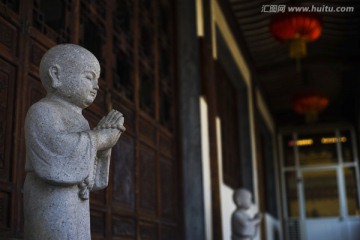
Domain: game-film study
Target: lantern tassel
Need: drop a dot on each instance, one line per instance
(311, 116)
(297, 48)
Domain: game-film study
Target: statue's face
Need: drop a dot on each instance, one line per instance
(246, 201)
(243, 199)
(79, 82)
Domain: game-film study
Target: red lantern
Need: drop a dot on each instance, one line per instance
(311, 104)
(297, 28)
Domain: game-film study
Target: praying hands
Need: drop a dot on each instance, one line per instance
(114, 120)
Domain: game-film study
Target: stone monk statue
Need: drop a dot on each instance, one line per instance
(243, 227)
(65, 159)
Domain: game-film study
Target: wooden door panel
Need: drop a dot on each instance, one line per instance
(147, 180)
(148, 231)
(167, 188)
(8, 38)
(10, 7)
(127, 109)
(9, 70)
(166, 144)
(35, 90)
(124, 173)
(51, 20)
(7, 88)
(169, 233)
(93, 31)
(37, 50)
(123, 228)
(147, 132)
(97, 221)
(5, 209)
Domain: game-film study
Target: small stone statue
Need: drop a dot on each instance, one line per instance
(65, 160)
(243, 227)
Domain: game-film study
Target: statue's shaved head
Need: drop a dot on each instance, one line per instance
(68, 57)
(242, 196)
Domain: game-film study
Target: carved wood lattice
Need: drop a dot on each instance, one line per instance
(52, 18)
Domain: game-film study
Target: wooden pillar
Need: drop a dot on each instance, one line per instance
(190, 131)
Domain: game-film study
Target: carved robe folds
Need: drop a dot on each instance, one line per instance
(61, 160)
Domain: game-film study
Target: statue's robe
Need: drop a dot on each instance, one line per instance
(243, 227)
(61, 168)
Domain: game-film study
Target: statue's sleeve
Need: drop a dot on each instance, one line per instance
(55, 153)
(101, 173)
(242, 225)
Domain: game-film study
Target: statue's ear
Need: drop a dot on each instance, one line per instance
(54, 73)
